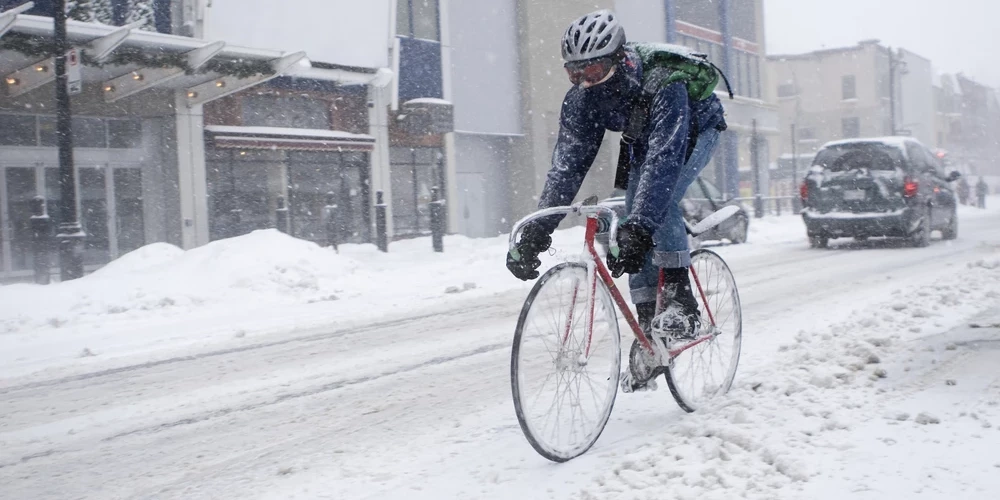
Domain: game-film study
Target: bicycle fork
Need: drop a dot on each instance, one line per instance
(590, 302)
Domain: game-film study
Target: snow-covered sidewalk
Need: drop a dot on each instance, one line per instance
(159, 297)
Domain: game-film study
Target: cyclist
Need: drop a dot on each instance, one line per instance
(671, 121)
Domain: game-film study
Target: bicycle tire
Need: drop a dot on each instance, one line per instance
(520, 360)
(729, 321)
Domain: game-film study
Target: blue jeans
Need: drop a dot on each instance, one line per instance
(671, 237)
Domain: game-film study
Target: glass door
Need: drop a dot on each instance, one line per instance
(93, 196)
(20, 187)
(130, 231)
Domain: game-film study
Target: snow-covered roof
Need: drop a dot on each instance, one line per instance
(81, 34)
(428, 100)
(892, 141)
(290, 139)
(286, 132)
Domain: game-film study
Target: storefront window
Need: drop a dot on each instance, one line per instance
(286, 111)
(417, 18)
(20, 191)
(415, 171)
(322, 185)
(129, 209)
(17, 130)
(94, 214)
(124, 134)
(47, 131)
(89, 133)
(244, 187)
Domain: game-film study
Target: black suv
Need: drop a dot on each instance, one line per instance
(891, 186)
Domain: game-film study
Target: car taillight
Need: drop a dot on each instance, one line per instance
(804, 191)
(910, 188)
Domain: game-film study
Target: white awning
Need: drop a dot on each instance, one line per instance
(199, 74)
(296, 139)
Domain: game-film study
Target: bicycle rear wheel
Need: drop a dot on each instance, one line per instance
(706, 370)
(564, 381)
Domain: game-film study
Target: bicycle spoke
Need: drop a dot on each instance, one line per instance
(706, 370)
(567, 390)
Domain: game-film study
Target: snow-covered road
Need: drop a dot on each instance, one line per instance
(419, 406)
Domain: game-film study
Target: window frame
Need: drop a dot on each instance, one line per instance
(411, 25)
(844, 87)
(843, 127)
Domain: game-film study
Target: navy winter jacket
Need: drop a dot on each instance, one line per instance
(660, 149)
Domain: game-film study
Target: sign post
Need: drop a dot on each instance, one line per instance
(74, 79)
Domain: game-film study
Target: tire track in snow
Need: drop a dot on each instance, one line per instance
(316, 337)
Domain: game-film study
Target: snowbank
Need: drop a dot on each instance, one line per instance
(265, 269)
(790, 430)
(261, 266)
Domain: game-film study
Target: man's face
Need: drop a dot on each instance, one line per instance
(587, 84)
(587, 74)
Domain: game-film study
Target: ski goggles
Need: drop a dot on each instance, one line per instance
(592, 71)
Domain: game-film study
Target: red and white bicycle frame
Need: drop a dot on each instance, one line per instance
(597, 269)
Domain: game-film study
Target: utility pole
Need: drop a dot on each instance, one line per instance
(895, 62)
(892, 92)
(796, 201)
(70, 234)
(758, 200)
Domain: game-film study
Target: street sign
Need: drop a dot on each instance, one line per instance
(74, 79)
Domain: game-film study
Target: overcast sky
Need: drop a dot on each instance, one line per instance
(956, 35)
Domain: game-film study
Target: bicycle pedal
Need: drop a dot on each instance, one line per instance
(629, 386)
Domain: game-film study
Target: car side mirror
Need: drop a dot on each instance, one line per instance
(954, 175)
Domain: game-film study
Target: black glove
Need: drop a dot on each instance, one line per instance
(634, 242)
(534, 240)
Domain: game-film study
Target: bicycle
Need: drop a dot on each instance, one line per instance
(579, 335)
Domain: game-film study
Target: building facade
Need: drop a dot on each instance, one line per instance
(179, 139)
(730, 32)
(868, 90)
(404, 99)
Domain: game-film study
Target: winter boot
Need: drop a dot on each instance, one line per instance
(680, 319)
(643, 367)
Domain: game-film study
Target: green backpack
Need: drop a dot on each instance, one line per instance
(663, 64)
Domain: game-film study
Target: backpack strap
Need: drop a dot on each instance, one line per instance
(636, 124)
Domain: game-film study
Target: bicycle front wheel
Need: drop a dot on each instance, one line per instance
(563, 374)
(706, 370)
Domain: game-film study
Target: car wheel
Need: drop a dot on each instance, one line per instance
(951, 231)
(819, 241)
(739, 232)
(922, 236)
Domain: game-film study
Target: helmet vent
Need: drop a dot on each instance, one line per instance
(592, 36)
(604, 42)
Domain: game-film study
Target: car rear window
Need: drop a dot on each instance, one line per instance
(871, 156)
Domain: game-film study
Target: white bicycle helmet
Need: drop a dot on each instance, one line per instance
(592, 36)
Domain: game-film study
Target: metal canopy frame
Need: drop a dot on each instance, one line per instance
(100, 42)
(43, 72)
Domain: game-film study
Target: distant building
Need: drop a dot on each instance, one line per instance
(851, 92)
(977, 140)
